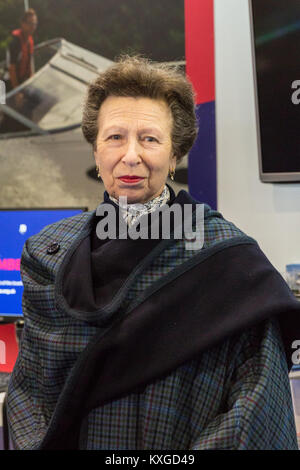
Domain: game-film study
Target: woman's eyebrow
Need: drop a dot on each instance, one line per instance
(142, 130)
(114, 128)
(150, 130)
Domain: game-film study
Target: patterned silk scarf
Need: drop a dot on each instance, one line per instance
(132, 212)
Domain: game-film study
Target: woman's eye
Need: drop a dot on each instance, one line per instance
(115, 137)
(149, 138)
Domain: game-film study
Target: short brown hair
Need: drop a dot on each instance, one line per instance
(136, 76)
(28, 14)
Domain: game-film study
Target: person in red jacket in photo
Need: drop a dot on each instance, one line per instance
(20, 51)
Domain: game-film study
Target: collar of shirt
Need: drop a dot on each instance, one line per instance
(132, 212)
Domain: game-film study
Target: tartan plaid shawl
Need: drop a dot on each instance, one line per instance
(196, 357)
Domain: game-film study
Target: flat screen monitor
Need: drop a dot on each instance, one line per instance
(275, 28)
(17, 225)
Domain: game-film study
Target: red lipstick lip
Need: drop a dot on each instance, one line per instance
(131, 179)
(134, 177)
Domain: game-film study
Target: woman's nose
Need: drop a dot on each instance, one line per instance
(132, 154)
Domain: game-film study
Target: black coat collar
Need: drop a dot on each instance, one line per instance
(98, 296)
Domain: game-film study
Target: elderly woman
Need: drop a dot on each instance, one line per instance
(145, 343)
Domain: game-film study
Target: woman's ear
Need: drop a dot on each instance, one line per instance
(173, 162)
(95, 150)
(95, 147)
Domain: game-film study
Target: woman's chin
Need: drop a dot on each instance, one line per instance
(134, 196)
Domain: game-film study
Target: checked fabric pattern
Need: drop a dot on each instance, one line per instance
(234, 396)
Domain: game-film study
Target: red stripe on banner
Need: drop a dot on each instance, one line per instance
(199, 48)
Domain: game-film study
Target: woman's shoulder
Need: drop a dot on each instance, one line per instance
(66, 225)
(215, 227)
(59, 234)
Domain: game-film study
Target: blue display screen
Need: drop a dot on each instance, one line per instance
(16, 226)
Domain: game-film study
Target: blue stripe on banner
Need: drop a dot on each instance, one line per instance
(202, 161)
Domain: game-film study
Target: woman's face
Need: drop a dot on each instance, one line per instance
(134, 139)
